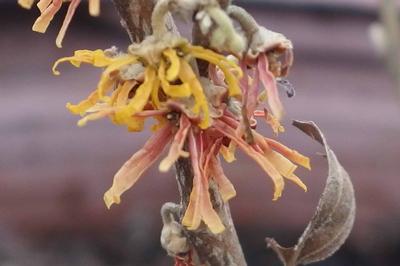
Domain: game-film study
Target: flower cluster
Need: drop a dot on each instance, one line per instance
(49, 8)
(199, 117)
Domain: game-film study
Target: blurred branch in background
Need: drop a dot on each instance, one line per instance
(390, 20)
(343, 6)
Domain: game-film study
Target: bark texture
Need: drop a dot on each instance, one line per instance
(215, 250)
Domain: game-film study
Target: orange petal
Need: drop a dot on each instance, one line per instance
(133, 169)
(292, 155)
(226, 189)
(258, 157)
(176, 149)
(285, 167)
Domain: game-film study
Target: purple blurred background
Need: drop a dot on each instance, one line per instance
(53, 174)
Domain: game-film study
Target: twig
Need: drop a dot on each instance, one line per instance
(216, 250)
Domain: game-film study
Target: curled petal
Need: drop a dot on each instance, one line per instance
(133, 169)
(123, 95)
(111, 71)
(96, 58)
(182, 90)
(229, 68)
(174, 68)
(138, 102)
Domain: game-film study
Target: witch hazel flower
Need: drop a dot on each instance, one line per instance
(201, 118)
(157, 74)
(49, 8)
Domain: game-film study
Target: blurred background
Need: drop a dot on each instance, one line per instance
(53, 174)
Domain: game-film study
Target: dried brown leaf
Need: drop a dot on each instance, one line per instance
(334, 217)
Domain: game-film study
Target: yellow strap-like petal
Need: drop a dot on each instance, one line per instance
(96, 58)
(140, 99)
(174, 68)
(123, 95)
(187, 76)
(80, 108)
(112, 71)
(178, 91)
(223, 64)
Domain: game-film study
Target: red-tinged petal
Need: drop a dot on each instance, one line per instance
(132, 170)
(252, 94)
(292, 155)
(209, 215)
(70, 13)
(269, 83)
(211, 153)
(176, 149)
(192, 217)
(200, 206)
(47, 16)
(258, 157)
(226, 189)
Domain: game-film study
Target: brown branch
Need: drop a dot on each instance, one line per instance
(216, 250)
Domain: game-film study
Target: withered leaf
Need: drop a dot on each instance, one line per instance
(334, 217)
